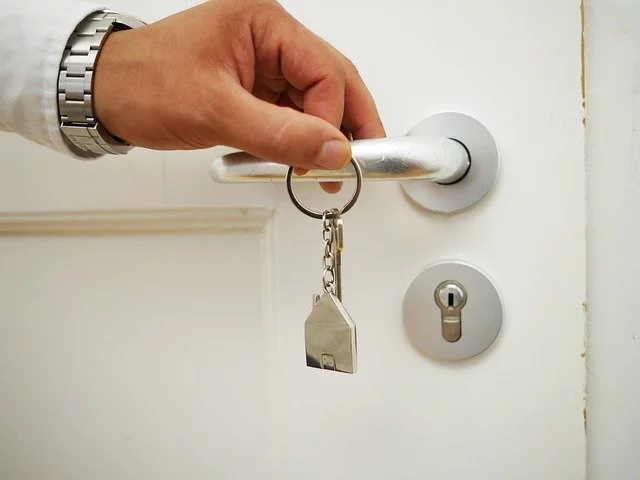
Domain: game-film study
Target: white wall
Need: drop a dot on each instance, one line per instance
(613, 169)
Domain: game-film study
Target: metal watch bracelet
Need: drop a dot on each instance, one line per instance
(75, 83)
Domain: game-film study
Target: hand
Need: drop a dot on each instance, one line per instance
(242, 73)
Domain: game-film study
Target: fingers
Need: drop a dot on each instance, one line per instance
(296, 97)
(361, 116)
(317, 80)
(330, 85)
(314, 70)
(329, 187)
(281, 134)
(324, 83)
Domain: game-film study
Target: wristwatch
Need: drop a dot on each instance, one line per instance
(75, 83)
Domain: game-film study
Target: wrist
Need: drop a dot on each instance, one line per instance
(109, 88)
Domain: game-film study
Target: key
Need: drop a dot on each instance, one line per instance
(338, 245)
(330, 333)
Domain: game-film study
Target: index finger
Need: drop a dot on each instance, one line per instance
(361, 115)
(314, 68)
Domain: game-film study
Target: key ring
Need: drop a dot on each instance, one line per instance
(318, 215)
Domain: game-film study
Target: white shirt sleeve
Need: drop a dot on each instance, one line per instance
(33, 35)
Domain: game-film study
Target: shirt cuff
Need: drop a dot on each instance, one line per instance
(66, 25)
(33, 36)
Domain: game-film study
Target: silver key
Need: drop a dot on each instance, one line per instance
(338, 245)
(330, 333)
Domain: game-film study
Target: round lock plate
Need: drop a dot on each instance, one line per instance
(480, 317)
(483, 171)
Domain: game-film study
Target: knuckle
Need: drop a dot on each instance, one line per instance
(336, 67)
(268, 20)
(332, 72)
(266, 9)
(350, 67)
(342, 72)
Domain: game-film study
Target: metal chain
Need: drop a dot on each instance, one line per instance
(328, 261)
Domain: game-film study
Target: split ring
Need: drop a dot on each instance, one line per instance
(318, 215)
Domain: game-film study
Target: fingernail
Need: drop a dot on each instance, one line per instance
(334, 154)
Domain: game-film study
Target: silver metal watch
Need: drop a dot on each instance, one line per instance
(75, 83)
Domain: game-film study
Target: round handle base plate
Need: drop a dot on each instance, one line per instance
(482, 174)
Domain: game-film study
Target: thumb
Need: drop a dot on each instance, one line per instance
(284, 135)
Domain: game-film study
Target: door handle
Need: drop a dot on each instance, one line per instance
(446, 163)
(440, 160)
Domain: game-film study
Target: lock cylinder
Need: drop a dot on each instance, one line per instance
(450, 297)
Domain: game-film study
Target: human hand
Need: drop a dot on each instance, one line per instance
(242, 73)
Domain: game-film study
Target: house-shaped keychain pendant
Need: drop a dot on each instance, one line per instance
(330, 336)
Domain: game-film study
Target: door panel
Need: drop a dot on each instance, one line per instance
(133, 355)
(197, 354)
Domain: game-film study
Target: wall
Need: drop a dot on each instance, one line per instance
(613, 169)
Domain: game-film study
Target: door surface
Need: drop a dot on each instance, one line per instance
(151, 320)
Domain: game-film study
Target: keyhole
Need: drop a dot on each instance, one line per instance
(450, 297)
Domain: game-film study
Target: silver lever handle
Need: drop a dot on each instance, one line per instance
(447, 163)
(437, 159)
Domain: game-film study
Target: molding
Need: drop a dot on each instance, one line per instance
(110, 222)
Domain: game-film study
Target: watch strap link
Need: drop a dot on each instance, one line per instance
(75, 83)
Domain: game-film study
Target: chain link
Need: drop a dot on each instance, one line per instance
(328, 261)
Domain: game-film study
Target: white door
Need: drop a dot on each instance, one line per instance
(152, 320)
